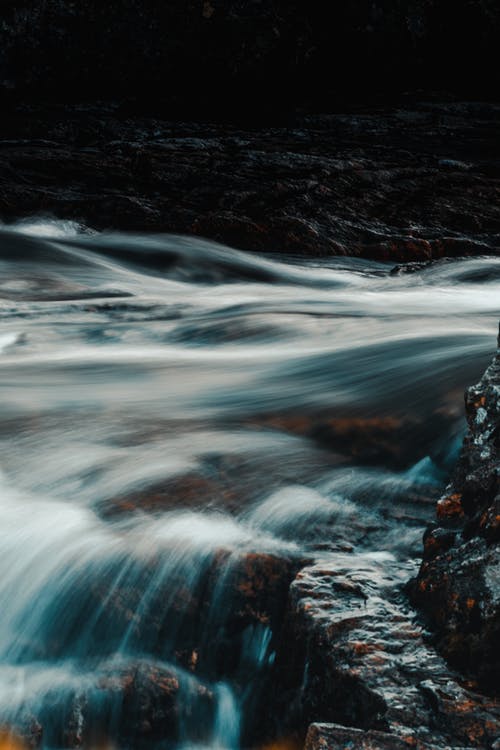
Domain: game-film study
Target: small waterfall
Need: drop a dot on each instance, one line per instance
(227, 725)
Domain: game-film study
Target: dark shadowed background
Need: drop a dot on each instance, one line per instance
(217, 56)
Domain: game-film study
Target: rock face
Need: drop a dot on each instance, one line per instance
(459, 582)
(356, 660)
(217, 54)
(411, 183)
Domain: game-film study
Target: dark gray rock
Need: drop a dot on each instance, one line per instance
(458, 586)
(368, 183)
(354, 654)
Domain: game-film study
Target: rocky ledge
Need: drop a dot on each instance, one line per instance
(458, 586)
(358, 669)
(410, 182)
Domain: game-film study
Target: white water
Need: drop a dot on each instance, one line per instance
(133, 367)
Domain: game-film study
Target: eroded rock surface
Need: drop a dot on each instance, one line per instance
(459, 582)
(355, 655)
(337, 737)
(408, 183)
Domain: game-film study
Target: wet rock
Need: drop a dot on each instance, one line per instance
(249, 592)
(458, 586)
(403, 269)
(231, 483)
(391, 439)
(190, 491)
(133, 704)
(200, 620)
(366, 183)
(353, 654)
(368, 440)
(471, 718)
(336, 737)
(153, 701)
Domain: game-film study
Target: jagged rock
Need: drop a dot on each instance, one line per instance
(458, 585)
(354, 654)
(469, 717)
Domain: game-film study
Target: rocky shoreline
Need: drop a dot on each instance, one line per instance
(458, 586)
(411, 182)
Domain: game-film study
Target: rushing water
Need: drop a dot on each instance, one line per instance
(171, 409)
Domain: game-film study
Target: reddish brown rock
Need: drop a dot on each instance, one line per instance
(472, 718)
(191, 491)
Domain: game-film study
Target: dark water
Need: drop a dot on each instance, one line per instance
(168, 401)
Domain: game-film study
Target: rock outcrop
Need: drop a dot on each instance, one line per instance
(409, 183)
(459, 582)
(356, 658)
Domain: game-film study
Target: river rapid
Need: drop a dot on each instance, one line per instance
(171, 409)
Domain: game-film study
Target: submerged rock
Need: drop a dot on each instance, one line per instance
(458, 586)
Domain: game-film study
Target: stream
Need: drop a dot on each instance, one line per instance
(183, 427)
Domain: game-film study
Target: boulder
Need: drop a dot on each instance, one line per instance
(355, 669)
